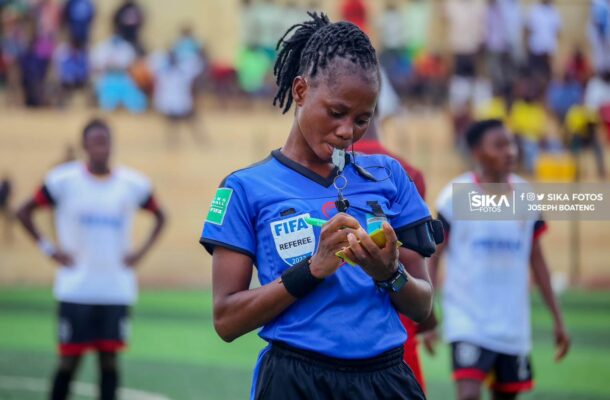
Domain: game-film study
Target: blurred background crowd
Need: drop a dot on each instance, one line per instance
(152, 68)
(499, 59)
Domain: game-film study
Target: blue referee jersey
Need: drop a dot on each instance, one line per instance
(260, 211)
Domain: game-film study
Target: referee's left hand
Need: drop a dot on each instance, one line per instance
(379, 263)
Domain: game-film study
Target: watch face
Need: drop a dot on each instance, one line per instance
(399, 282)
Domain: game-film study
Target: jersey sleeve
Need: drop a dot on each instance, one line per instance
(412, 209)
(444, 208)
(540, 227)
(230, 220)
(50, 193)
(141, 190)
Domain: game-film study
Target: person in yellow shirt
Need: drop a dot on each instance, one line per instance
(581, 126)
(494, 108)
(528, 120)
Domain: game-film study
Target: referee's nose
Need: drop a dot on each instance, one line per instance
(345, 132)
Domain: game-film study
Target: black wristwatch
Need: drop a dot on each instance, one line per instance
(396, 281)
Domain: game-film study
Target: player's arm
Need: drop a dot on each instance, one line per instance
(428, 328)
(542, 278)
(24, 215)
(159, 223)
(239, 310)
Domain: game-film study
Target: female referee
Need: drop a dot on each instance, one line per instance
(332, 328)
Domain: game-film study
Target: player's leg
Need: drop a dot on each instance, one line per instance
(111, 337)
(471, 364)
(411, 355)
(68, 365)
(504, 396)
(74, 340)
(468, 389)
(109, 375)
(513, 376)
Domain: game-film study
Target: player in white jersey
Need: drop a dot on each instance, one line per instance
(95, 283)
(486, 310)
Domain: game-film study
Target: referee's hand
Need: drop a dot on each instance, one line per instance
(333, 238)
(379, 263)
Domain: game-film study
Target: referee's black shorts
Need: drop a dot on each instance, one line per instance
(284, 372)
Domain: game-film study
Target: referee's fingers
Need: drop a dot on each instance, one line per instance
(342, 221)
(337, 238)
(367, 243)
(390, 236)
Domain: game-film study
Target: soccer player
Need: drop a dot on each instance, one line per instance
(95, 284)
(486, 311)
(370, 144)
(333, 330)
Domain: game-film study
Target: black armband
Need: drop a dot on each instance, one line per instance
(422, 237)
(298, 279)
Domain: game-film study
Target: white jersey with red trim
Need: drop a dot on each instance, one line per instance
(93, 219)
(486, 288)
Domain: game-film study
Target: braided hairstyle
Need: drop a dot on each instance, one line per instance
(314, 44)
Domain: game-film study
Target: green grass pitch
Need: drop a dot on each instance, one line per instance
(174, 351)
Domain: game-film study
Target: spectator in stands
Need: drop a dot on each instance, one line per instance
(393, 55)
(128, 21)
(6, 192)
(430, 78)
(512, 14)
(187, 47)
(581, 127)
(543, 26)
(563, 94)
(528, 120)
(494, 108)
(72, 68)
(597, 92)
(598, 31)
(174, 95)
(465, 29)
(355, 11)
(579, 66)
(14, 42)
(113, 85)
(417, 17)
(33, 70)
(597, 98)
(78, 16)
(497, 46)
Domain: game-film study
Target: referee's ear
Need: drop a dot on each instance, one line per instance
(299, 90)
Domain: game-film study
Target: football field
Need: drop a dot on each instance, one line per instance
(174, 352)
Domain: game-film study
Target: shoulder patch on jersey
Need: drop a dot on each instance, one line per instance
(218, 208)
(294, 238)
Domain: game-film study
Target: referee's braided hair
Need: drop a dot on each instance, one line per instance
(312, 46)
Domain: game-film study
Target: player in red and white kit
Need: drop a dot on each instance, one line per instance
(486, 303)
(95, 283)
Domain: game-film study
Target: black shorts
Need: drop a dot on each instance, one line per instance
(83, 327)
(507, 373)
(283, 372)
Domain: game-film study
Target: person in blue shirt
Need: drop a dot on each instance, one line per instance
(332, 328)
